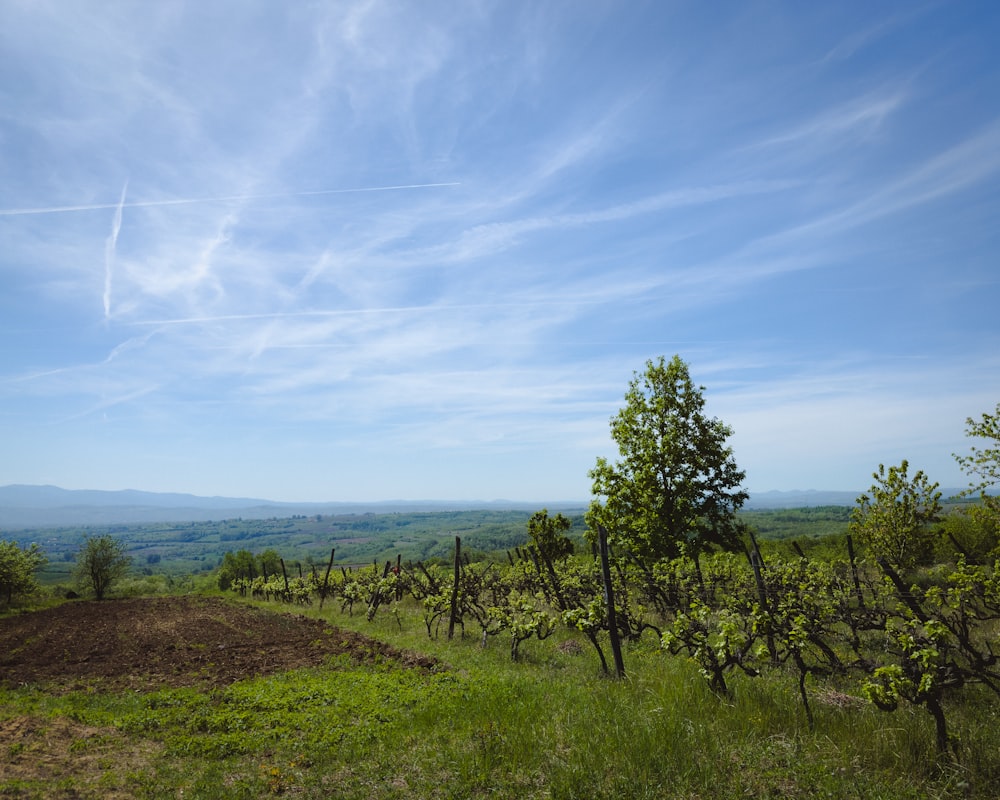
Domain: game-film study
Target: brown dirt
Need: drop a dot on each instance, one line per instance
(65, 760)
(141, 644)
(146, 643)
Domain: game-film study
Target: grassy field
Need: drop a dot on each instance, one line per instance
(549, 726)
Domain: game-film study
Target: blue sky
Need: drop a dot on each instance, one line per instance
(403, 250)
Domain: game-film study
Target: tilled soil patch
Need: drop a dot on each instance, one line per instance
(148, 643)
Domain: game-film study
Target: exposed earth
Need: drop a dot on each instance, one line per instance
(141, 645)
(146, 643)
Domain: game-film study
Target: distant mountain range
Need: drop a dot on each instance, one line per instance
(48, 506)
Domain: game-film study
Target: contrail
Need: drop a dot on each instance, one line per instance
(109, 252)
(345, 312)
(13, 212)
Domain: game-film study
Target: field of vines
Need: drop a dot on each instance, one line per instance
(849, 631)
(735, 675)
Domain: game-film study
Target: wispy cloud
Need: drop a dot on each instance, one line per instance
(239, 198)
(831, 234)
(451, 234)
(496, 236)
(843, 124)
(108, 403)
(135, 343)
(828, 424)
(868, 35)
(974, 160)
(971, 161)
(109, 253)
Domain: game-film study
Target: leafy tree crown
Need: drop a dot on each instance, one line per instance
(893, 519)
(100, 562)
(548, 534)
(676, 487)
(982, 464)
(17, 570)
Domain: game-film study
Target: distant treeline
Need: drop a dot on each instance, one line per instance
(788, 523)
(190, 548)
(193, 547)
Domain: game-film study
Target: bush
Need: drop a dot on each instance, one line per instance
(17, 570)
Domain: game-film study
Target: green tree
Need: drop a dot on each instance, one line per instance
(548, 534)
(240, 564)
(676, 487)
(971, 533)
(100, 562)
(894, 519)
(17, 569)
(269, 562)
(982, 465)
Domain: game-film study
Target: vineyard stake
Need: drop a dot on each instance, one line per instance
(609, 597)
(326, 578)
(285, 576)
(454, 588)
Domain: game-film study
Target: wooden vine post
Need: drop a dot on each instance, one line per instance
(755, 562)
(326, 578)
(454, 587)
(284, 575)
(609, 597)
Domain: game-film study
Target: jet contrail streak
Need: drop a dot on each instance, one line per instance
(345, 312)
(109, 252)
(13, 212)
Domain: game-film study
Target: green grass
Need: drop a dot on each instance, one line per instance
(548, 727)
